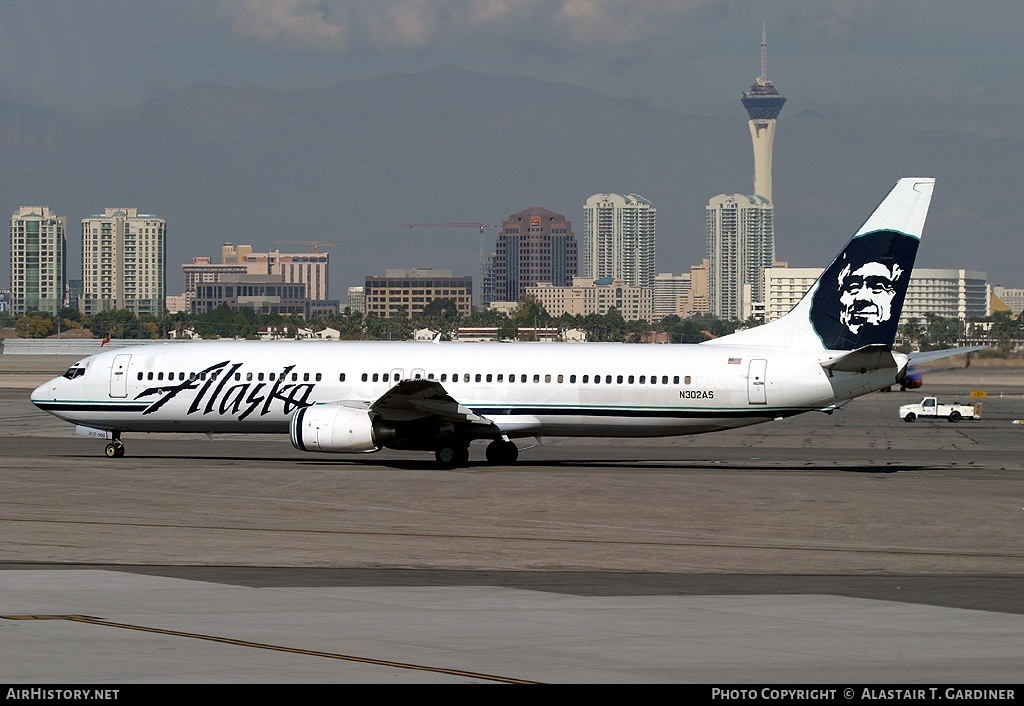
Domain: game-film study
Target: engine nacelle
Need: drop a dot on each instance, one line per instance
(333, 428)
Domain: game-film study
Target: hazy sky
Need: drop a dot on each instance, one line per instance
(930, 63)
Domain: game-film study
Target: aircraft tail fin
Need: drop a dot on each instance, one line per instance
(857, 300)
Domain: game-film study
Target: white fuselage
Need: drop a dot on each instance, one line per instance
(526, 389)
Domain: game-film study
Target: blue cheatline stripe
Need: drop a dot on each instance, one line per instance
(59, 406)
(642, 413)
(553, 411)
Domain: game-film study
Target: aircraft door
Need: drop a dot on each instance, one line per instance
(418, 374)
(397, 375)
(756, 381)
(119, 375)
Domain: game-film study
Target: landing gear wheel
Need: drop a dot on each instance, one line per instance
(115, 449)
(449, 457)
(910, 417)
(502, 452)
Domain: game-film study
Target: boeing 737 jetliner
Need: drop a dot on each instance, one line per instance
(361, 396)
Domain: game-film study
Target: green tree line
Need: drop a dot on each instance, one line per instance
(442, 316)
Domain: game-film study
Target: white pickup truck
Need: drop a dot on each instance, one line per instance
(930, 407)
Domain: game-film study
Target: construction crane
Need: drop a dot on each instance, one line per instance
(481, 226)
(317, 244)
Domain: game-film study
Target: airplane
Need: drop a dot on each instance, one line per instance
(355, 397)
(913, 379)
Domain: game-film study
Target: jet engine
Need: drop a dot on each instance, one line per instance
(334, 428)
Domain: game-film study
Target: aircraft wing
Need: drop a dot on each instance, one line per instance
(415, 399)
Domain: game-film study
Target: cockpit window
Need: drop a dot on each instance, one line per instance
(74, 372)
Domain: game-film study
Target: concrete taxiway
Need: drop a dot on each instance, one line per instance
(831, 549)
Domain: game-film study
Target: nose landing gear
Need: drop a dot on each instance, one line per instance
(115, 449)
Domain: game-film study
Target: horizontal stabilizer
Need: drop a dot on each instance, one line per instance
(926, 356)
(873, 357)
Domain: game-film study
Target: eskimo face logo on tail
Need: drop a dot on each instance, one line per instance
(860, 296)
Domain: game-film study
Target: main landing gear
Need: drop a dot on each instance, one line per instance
(455, 453)
(452, 456)
(501, 452)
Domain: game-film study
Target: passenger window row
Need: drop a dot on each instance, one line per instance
(249, 377)
(536, 378)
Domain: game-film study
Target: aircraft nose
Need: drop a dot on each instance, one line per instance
(44, 392)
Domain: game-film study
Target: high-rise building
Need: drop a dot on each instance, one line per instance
(535, 245)
(404, 292)
(262, 293)
(310, 269)
(38, 260)
(763, 103)
(587, 296)
(124, 262)
(619, 238)
(946, 293)
(203, 271)
(741, 244)
(1011, 297)
(356, 300)
(671, 294)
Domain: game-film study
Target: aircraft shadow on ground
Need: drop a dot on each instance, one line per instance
(619, 464)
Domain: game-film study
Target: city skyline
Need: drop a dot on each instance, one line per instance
(250, 172)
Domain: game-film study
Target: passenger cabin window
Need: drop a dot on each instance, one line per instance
(364, 377)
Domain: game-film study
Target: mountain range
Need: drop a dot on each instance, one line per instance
(349, 163)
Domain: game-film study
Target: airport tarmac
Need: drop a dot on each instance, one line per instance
(851, 548)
